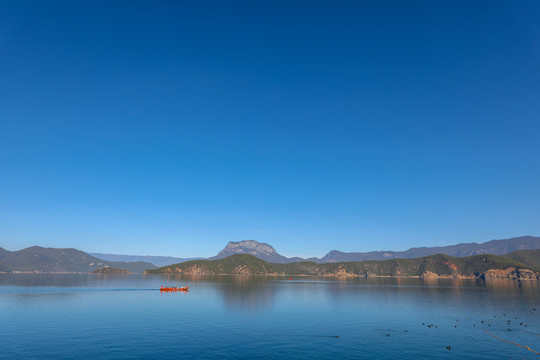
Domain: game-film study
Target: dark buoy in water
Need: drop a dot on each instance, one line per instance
(449, 347)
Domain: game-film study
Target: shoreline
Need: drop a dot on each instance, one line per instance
(349, 276)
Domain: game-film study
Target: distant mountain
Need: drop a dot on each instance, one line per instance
(156, 260)
(71, 260)
(39, 259)
(261, 250)
(434, 266)
(4, 253)
(495, 247)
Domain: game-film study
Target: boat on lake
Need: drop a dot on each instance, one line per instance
(173, 288)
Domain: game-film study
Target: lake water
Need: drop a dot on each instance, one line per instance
(72, 316)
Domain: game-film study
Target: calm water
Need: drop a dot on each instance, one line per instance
(125, 317)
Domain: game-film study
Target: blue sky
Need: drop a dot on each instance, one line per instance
(171, 128)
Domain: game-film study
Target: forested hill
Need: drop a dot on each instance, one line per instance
(527, 257)
(478, 266)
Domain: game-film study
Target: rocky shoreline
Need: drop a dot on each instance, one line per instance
(510, 273)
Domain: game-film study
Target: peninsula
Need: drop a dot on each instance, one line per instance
(523, 265)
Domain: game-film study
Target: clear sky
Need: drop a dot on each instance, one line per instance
(173, 127)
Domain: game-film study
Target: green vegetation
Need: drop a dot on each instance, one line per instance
(527, 257)
(434, 265)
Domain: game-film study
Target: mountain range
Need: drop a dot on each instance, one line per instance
(494, 247)
(156, 260)
(39, 259)
(268, 253)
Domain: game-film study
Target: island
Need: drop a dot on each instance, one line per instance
(110, 270)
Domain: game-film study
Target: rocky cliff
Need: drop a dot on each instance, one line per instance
(261, 250)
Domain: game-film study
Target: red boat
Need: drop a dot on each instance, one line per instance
(173, 288)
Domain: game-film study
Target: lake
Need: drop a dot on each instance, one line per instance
(83, 316)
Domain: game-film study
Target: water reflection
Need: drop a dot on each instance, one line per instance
(33, 280)
(237, 292)
(66, 316)
(252, 293)
(70, 280)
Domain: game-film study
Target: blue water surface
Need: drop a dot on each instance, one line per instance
(81, 316)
